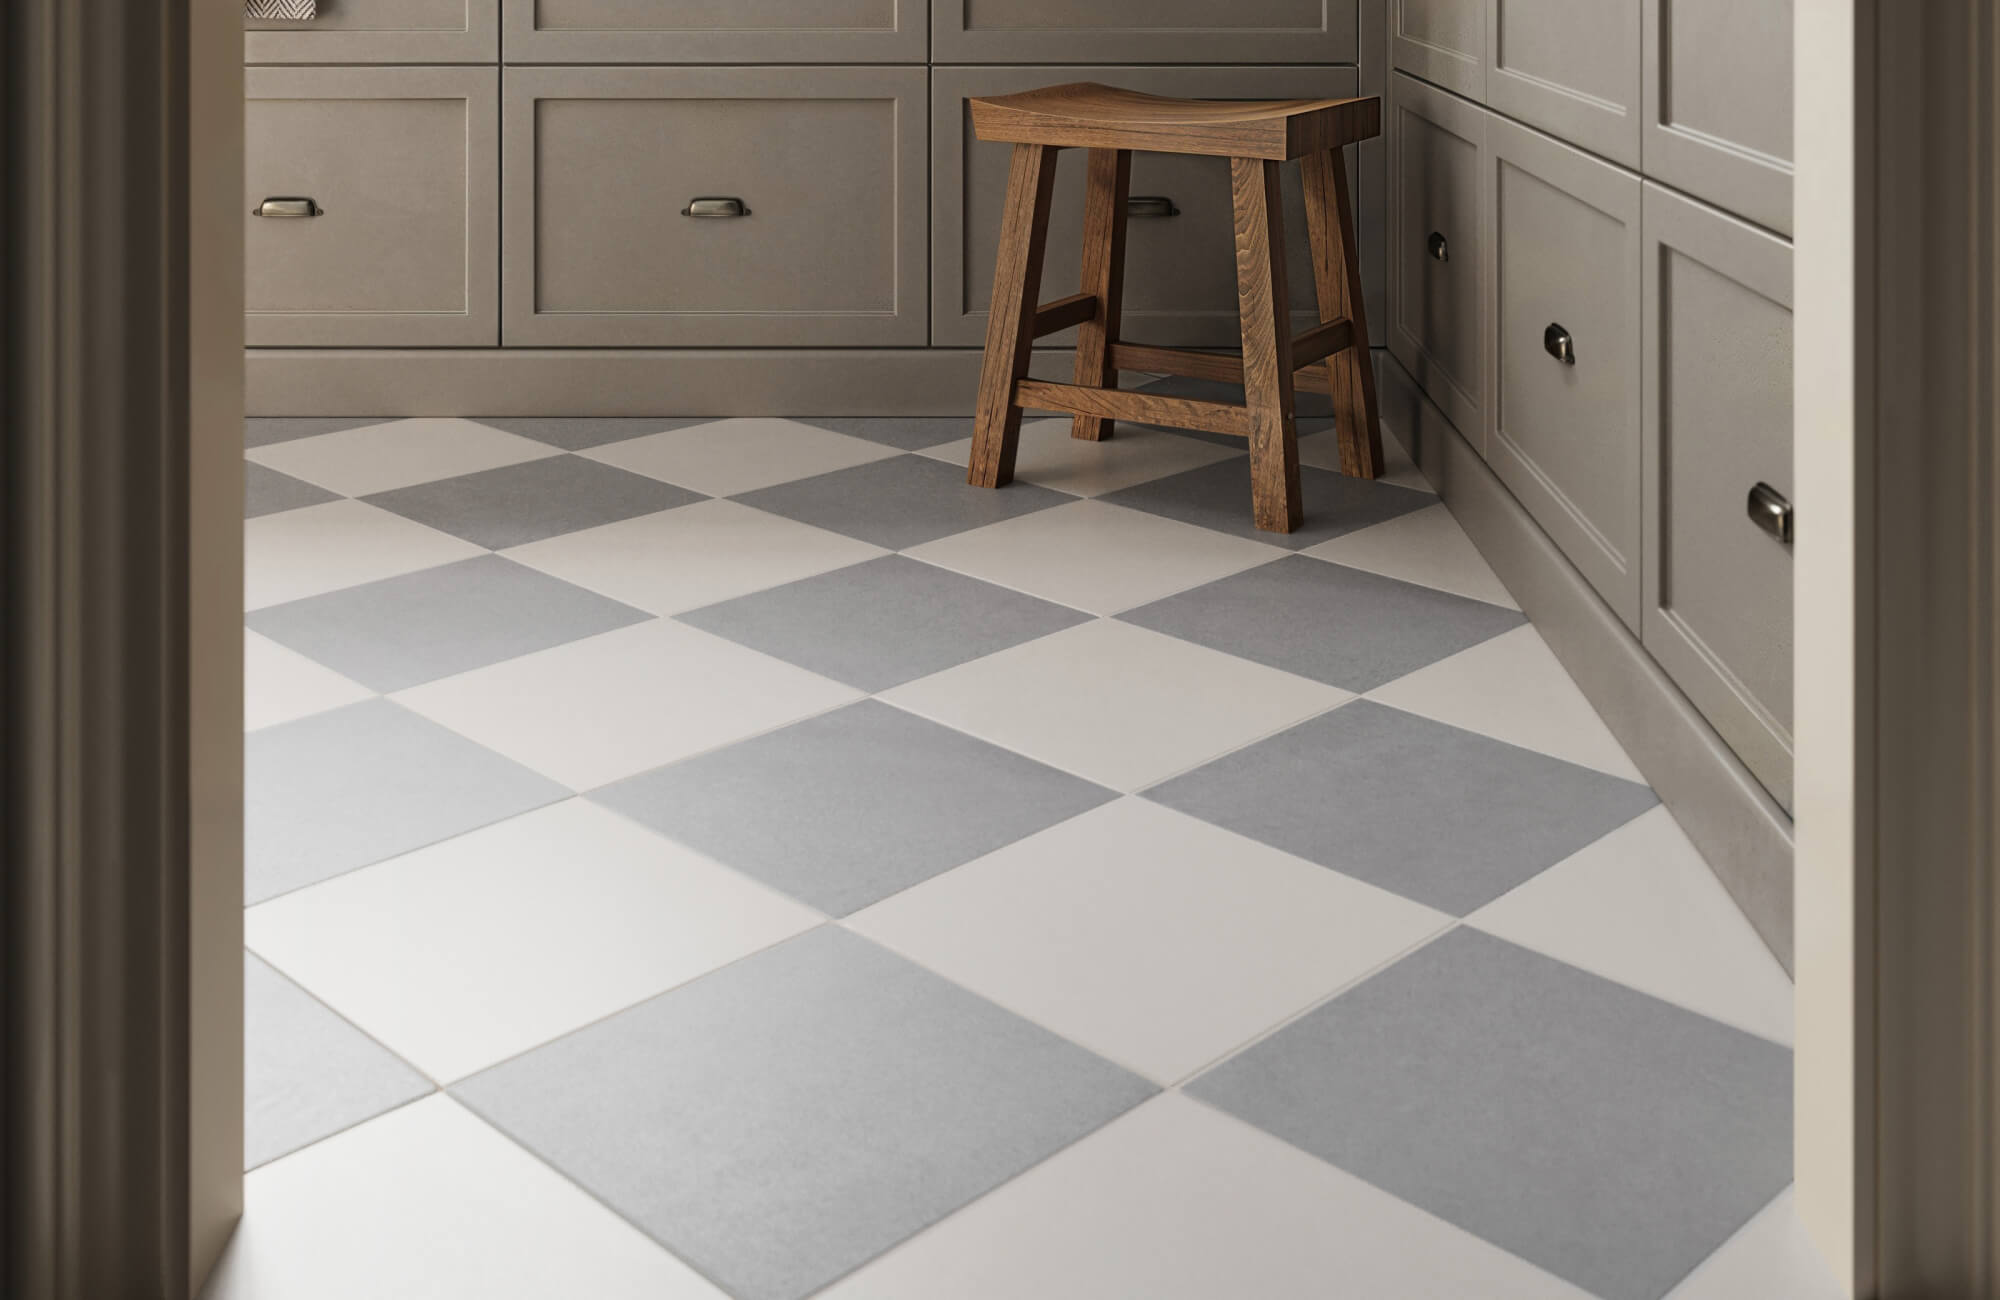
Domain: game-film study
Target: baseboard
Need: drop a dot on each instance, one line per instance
(554, 381)
(1742, 832)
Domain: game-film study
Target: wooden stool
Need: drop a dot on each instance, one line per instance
(1256, 138)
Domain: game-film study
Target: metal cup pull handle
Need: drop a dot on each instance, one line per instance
(1771, 512)
(291, 207)
(1558, 344)
(1150, 205)
(716, 207)
(1440, 250)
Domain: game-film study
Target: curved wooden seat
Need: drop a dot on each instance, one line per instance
(1084, 113)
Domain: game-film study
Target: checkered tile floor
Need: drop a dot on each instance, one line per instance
(735, 858)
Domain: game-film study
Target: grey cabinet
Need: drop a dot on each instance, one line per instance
(1717, 103)
(1437, 250)
(717, 31)
(1718, 422)
(380, 31)
(1570, 67)
(1144, 31)
(1442, 41)
(1180, 279)
(402, 167)
(1563, 423)
(606, 244)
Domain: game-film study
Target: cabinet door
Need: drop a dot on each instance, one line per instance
(717, 31)
(1144, 31)
(1442, 41)
(813, 234)
(1437, 257)
(1180, 269)
(1563, 428)
(1718, 421)
(1570, 67)
(402, 166)
(380, 31)
(1717, 103)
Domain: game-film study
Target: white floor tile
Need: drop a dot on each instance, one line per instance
(609, 706)
(381, 457)
(340, 544)
(1425, 546)
(428, 1201)
(462, 954)
(1511, 688)
(1770, 1259)
(1116, 704)
(1179, 1202)
(1096, 557)
(732, 456)
(1151, 938)
(1642, 908)
(1323, 450)
(1048, 456)
(280, 685)
(697, 555)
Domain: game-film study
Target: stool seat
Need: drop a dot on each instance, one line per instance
(1086, 114)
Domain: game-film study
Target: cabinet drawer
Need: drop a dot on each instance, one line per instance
(1437, 259)
(1570, 67)
(1564, 436)
(1717, 103)
(404, 163)
(716, 31)
(602, 165)
(380, 31)
(1144, 31)
(1442, 41)
(1180, 271)
(1718, 421)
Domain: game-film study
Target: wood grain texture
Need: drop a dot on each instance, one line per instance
(1055, 317)
(1222, 367)
(1319, 343)
(1142, 408)
(1267, 345)
(1088, 115)
(1337, 276)
(1104, 214)
(1010, 325)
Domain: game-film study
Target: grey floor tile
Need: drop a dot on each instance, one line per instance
(1334, 624)
(847, 808)
(911, 434)
(518, 504)
(901, 502)
(577, 433)
(1611, 1138)
(789, 1117)
(1436, 814)
(403, 631)
(883, 622)
(266, 491)
(1218, 496)
(263, 431)
(342, 789)
(308, 1074)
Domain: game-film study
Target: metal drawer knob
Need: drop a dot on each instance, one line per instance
(1150, 205)
(288, 207)
(715, 207)
(1440, 251)
(1558, 344)
(1771, 512)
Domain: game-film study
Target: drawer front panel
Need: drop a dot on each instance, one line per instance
(1442, 41)
(1180, 271)
(1565, 436)
(717, 31)
(1717, 103)
(1437, 271)
(380, 31)
(1718, 421)
(1145, 31)
(404, 163)
(603, 247)
(1570, 67)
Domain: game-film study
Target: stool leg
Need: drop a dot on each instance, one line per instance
(1010, 322)
(1104, 276)
(1267, 345)
(1337, 273)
